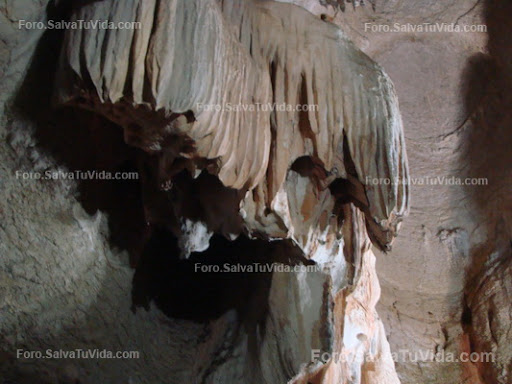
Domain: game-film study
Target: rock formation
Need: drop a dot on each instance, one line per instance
(284, 188)
(163, 84)
(192, 88)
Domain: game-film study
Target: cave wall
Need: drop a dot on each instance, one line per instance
(62, 283)
(67, 281)
(454, 247)
(445, 285)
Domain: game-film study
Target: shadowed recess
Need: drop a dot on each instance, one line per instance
(210, 283)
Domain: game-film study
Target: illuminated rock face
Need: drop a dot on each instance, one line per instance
(192, 88)
(66, 283)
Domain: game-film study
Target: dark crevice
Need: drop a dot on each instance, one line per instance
(467, 317)
(210, 283)
(304, 122)
(273, 132)
(199, 199)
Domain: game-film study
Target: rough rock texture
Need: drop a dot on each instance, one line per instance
(62, 285)
(445, 285)
(290, 173)
(85, 301)
(453, 92)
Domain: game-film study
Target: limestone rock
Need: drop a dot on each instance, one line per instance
(251, 56)
(194, 88)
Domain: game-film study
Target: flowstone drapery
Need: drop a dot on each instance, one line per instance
(283, 130)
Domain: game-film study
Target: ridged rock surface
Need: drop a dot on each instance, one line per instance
(64, 284)
(163, 83)
(196, 56)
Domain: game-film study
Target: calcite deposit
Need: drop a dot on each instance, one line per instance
(182, 100)
(192, 88)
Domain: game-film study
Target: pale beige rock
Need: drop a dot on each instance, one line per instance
(249, 53)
